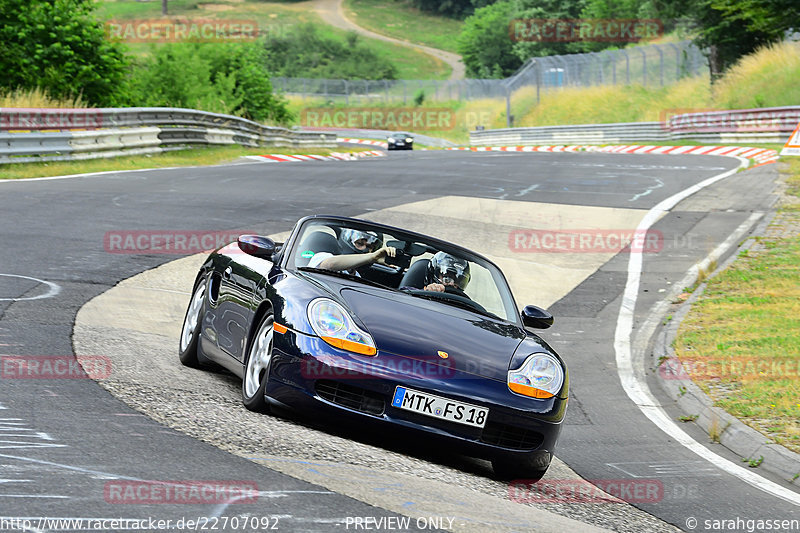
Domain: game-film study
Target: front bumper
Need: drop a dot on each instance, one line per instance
(403, 146)
(311, 376)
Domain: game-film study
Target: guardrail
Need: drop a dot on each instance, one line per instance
(383, 134)
(579, 134)
(31, 135)
(766, 125)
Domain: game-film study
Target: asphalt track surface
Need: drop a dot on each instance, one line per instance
(61, 441)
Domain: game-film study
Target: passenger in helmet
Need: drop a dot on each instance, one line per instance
(360, 248)
(358, 242)
(447, 273)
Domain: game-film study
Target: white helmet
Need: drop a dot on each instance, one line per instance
(359, 242)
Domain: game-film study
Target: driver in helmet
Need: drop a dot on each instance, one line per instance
(447, 273)
(360, 248)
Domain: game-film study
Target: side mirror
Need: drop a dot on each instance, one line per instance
(536, 317)
(257, 246)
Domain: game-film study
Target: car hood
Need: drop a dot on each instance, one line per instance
(419, 329)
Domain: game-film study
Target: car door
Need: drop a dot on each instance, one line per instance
(235, 304)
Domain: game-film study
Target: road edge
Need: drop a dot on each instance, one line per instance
(633, 345)
(734, 434)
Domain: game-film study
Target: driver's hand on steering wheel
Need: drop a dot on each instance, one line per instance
(382, 253)
(435, 287)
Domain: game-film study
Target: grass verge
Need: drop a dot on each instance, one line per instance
(212, 155)
(403, 21)
(739, 341)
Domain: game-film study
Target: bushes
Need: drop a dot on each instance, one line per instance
(305, 53)
(223, 78)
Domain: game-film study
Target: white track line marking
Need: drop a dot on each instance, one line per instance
(638, 391)
(52, 289)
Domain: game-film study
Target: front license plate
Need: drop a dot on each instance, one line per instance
(438, 407)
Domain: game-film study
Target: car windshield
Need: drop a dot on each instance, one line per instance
(469, 282)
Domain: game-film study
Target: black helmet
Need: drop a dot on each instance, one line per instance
(359, 242)
(448, 270)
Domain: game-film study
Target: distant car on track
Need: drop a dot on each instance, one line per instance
(400, 141)
(380, 345)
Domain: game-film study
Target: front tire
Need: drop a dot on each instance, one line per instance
(190, 333)
(256, 371)
(532, 469)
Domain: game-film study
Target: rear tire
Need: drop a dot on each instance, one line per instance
(190, 333)
(256, 368)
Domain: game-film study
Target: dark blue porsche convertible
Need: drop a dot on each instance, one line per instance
(355, 319)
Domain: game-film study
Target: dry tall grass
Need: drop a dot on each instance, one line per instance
(33, 98)
(619, 103)
(767, 78)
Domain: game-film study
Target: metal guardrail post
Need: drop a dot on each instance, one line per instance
(677, 61)
(627, 67)
(614, 67)
(644, 67)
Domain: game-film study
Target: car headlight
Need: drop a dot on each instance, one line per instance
(335, 326)
(540, 376)
(409, 139)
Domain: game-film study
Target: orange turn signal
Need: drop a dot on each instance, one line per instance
(279, 328)
(350, 346)
(526, 390)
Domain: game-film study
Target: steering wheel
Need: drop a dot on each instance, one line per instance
(388, 269)
(450, 289)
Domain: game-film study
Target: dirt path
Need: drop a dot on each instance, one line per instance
(332, 12)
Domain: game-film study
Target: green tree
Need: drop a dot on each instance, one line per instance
(772, 17)
(227, 78)
(547, 9)
(485, 44)
(619, 9)
(451, 8)
(59, 46)
(730, 29)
